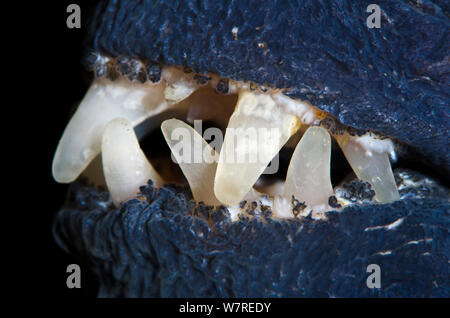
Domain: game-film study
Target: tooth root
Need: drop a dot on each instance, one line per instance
(370, 166)
(178, 91)
(179, 87)
(104, 101)
(196, 158)
(308, 176)
(125, 166)
(256, 131)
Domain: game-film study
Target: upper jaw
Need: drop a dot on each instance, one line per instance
(382, 79)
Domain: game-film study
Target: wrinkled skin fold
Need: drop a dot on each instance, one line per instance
(161, 247)
(393, 80)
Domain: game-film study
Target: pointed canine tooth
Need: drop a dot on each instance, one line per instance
(104, 101)
(371, 165)
(198, 161)
(308, 176)
(256, 132)
(125, 166)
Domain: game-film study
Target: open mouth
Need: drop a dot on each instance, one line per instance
(258, 124)
(227, 179)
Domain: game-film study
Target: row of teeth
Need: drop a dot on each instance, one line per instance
(105, 120)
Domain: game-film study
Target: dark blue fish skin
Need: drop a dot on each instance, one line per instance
(394, 80)
(157, 248)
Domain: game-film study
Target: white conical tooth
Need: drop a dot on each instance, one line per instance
(308, 176)
(104, 101)
(125, 166)
(256, 131)
(196, 158)
(370, 162)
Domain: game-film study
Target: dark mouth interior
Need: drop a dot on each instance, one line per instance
(155, 148)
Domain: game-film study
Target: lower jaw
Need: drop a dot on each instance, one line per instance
(165, 245)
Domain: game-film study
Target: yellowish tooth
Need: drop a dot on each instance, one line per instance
(104, 101)
(370, 162)
(256, 131)
(308, 176)
(196, 158)
(125, 166)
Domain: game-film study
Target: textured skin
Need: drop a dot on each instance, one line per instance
(157, 248)
(394, 80)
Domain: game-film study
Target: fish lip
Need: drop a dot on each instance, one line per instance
(130, 244)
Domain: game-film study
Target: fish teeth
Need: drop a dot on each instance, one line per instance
(369, 159)
(256, 131)
(198, 160)
(104, 101)
(259, 127)
(308, 176)
(125, 166)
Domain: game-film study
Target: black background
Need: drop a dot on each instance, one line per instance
(61, 81)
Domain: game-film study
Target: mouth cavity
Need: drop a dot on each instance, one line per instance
(116, 138)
